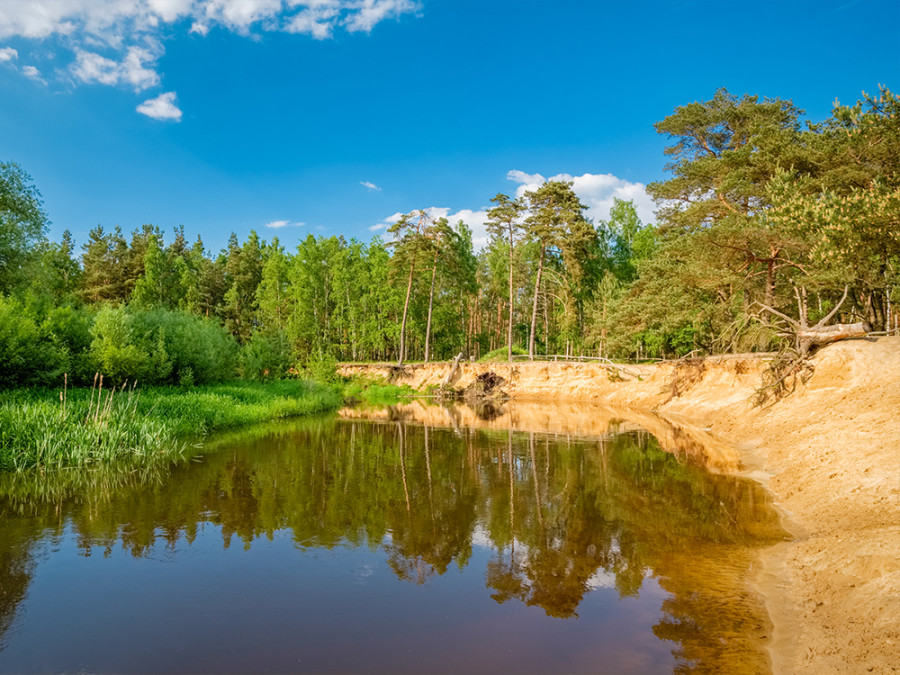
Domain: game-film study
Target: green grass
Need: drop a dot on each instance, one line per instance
(51, 429)
(375, 392)
(502, 354)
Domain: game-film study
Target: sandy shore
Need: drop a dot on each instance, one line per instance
(830, 453)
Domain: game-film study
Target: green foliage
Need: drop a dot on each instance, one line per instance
(114, 348)
(76, 427)
(103, 262)
(626, 240)
(502, 354)
(375, 392)
(243, 273)
(273, 294)
(29, 354)
(161, 346)
(22, 223)
(322, 368)
(52, 270)
(167, 278)
(759, 213)
(70, 327)
(38, 431)
(266, 356)
(203, 409)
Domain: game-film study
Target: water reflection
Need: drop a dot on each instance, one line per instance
(557, 517)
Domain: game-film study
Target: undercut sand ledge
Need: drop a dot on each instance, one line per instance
(830, 453)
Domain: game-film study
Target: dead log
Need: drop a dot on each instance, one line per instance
(806, 337)
(816, 335)
(452, 372)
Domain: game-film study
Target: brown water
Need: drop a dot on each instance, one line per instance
(335, 545)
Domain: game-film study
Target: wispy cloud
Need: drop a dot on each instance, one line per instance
(278, 224)
(133, 70)
(161, 108)
(371, 186)
(120, 43)
(33, 73)
(371, 12)
(386, 222)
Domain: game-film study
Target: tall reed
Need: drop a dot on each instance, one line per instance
(107, 426)
(77, 427)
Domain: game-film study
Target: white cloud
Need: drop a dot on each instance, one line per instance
(161, 108)
(371, 186)
(238, 15)
(119, 42)
(596, 191)
(90, 67)
(474, 219)
(387, 222)
(33, 73)
(277, 224)
(118, 22)
(371, 12)
(315, 21)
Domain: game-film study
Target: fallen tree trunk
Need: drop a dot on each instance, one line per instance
(840, 331)
(809, 337)
(452, 372)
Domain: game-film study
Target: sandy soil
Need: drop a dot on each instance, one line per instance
(829, 453)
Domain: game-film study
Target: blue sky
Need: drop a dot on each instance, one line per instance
(331, 116)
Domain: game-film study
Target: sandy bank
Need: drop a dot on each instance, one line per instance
(829, 453)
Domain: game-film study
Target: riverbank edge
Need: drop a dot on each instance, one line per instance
(66, 428)
(827, 453)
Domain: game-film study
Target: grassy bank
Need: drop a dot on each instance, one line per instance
(53, 429)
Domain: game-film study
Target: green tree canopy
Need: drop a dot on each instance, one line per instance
(23, 222)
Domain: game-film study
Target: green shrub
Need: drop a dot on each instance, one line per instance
(161, 346)
(266, 356)
(29, 355)
(322, 368)
(70, 328)
(114, 348)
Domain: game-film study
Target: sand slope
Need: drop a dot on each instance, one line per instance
(830, 453)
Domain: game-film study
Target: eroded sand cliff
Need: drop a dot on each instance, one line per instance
(830, 453)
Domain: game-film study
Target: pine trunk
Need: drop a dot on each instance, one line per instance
(509, 327)
(430, 304)
(402, 354)
(534, 307)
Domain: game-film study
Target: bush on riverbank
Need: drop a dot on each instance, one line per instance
(161, 346)
(39, 343)
(49, 428)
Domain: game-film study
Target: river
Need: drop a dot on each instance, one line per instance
(383, 541)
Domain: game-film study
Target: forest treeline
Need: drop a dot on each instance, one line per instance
(764, 218)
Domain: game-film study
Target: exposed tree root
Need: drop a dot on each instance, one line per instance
(784, 372)
(686, 373)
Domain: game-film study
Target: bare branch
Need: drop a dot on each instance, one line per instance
(835, 310)
(792, 322)
(801, 307)
(728, 205)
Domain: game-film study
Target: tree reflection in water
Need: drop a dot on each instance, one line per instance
(561, 516)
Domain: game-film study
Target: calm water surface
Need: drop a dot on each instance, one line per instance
(334, 545)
